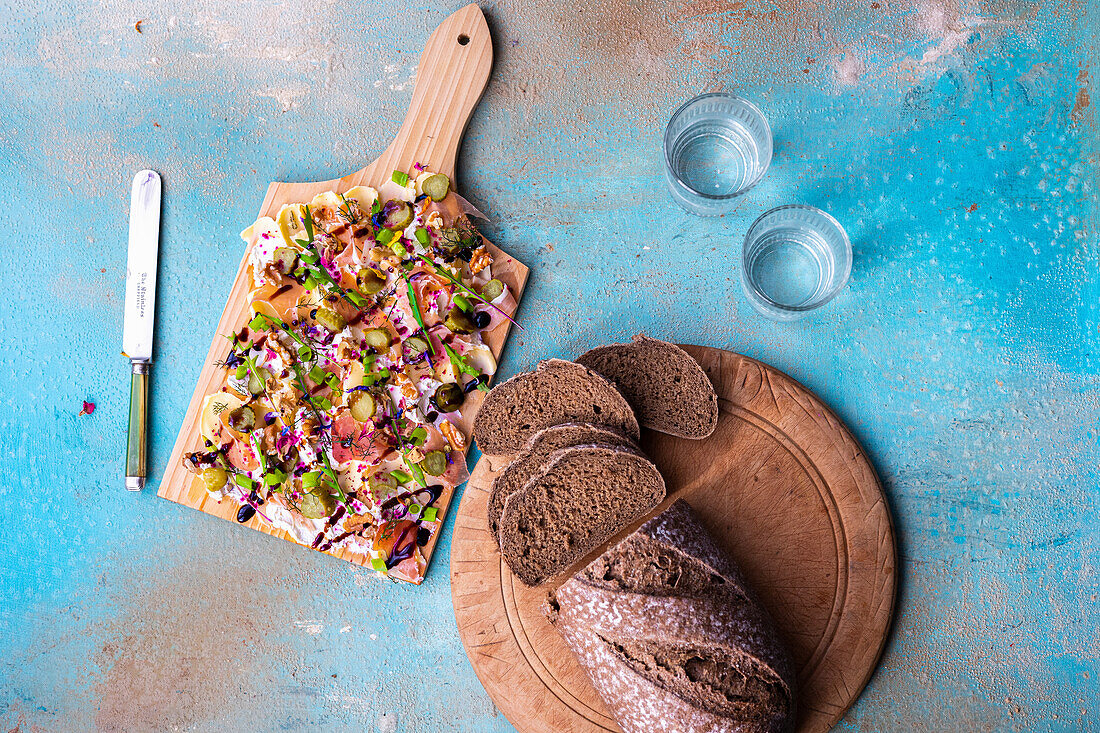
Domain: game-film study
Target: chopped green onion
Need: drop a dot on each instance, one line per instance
(376, 207)
(310, 282)
(311, 480)
(356, 299)
(384, 236)
(422, 236)
(378, 564)
(415, 509)
(332, 380)
(417, 473)
(259, 323)
(305, 353)
(309, 255)
(418, 436)
(323, 403)
(242, 371)
(244, 481)
(460, 300)
(273, 478)
(399, 249)
(317, 374)
(368, 361)
(400, 178)
(400, 476)
(429, 514)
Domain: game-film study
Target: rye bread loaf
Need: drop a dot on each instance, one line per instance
(668, 389)
(672, 638)
(582, 496)
(557, 391)
(535, 455)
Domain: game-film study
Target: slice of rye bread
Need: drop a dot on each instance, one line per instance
(583, 496)
(668, 389)
(535, 455)
(557, 391)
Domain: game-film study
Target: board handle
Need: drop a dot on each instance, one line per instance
(450, 79)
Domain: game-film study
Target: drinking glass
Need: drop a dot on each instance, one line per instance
(795, 259)
(717, 147)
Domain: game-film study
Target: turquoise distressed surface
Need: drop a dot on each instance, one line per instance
(954, 139)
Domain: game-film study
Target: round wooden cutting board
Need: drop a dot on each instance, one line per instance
(785, 489)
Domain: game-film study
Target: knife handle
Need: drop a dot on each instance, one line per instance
(135, 439)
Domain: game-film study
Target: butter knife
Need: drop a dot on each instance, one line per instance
(137, 329)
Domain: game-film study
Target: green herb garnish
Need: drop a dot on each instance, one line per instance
(348, 211)
(400, 178)
(464, 367)
(455, 281)
(419, 319)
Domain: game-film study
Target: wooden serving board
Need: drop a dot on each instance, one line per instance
(786, 490)
(453, 71)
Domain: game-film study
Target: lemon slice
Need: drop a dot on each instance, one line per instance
(291, 223)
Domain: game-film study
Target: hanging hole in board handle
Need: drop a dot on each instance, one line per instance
(463, 39)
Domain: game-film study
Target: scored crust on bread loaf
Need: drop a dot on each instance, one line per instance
(557, 391)
(668, 389)
(535, 455)
(583, 496)
(671, 636)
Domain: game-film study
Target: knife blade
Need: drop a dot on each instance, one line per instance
(141, 266)
(137, 327)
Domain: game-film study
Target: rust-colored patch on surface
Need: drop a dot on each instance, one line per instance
(172, 657)
(1082, 102)
(972, 208)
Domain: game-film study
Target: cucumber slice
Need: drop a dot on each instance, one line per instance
(370, 281)
(331, 320)
(458, 322)
(362, 406)
(256, 381)
(317, 504)
(492, 289)
(377, 338)
(416, 345)
(396, 215)
(437, 187)
(435, 463)
(214, 478)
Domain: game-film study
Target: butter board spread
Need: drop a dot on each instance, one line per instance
(343, 416)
